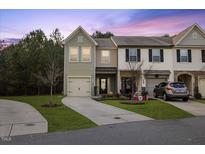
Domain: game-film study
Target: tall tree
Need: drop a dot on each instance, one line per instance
(98, 34)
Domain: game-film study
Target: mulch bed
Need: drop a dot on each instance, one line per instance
(49, 105)
(132, 102)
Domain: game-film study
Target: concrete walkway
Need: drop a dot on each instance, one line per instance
(100, 113)
(195, 108)
(18, 118)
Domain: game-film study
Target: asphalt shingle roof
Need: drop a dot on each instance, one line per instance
(105, 42)
(142, 41)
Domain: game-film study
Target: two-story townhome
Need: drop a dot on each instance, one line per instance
(99, 66)
(90, 65)
(189, 58)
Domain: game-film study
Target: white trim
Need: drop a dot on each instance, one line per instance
(75, 31)
(113, 41)
(193, 26)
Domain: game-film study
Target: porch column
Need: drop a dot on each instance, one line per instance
(118, 81)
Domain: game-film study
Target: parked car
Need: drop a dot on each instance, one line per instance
(169, 90)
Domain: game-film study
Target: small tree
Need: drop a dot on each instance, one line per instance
(52, 70)
(136, 72)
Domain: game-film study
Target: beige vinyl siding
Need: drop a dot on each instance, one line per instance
(189, 40)
(113, 58)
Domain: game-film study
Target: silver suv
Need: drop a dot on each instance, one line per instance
(169, 90)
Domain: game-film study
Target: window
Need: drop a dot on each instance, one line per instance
(132, 54)
(80, 39)
(105, 56)
(73, 54)
(183, 56)
(194, 35)
(156, 55)
(85, 54)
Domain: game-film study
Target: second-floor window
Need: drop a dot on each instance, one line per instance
(85, 54)
(156, 55)
(73, 54)
(184, 55)
(133, 54)
(105, 56)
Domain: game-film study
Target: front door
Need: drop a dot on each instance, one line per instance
(103, 85)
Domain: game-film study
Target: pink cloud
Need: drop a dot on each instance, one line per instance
(160, 26)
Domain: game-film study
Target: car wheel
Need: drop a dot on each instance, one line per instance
(185, 99)
(165, 97)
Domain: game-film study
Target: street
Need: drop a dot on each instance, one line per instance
(181, 131)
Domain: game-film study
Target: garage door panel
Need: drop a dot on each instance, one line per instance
(151, 83)
(79, 86)
(202, 87)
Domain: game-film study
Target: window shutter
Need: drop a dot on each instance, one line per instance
(127, 55)
(178, 55)
(161, 55)
(189, 55)
(150, 55)
(203, 56)
(138, 55)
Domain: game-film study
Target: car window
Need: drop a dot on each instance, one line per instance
(163, 84)
(178, 85)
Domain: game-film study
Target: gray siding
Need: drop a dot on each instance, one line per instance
(79, 68)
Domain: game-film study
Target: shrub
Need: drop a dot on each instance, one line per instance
(197, 96)
(110, 94)
(117, 95)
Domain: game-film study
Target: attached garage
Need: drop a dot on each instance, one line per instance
(151, 83)
(79, 86)
(202, 86)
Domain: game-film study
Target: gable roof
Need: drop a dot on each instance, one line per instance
(105, 43)
(75, 32)
(180, 36)
(142, 41)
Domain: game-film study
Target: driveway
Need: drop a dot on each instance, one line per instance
(195, 108)
(101, 114)
(18, 118)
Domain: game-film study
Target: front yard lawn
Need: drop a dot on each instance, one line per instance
(152, 108)
(59, 118)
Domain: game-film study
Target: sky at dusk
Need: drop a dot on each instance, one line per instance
(17, 23)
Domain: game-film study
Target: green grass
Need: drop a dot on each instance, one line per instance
(152, 108)
(59, 118)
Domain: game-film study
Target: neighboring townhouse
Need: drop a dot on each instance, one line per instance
(99, 66)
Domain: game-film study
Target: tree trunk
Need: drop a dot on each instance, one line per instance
(51, 90)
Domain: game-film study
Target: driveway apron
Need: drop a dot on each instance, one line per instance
(195, 108)
(101, 114)
(18, 118)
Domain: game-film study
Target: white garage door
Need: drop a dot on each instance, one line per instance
(79, 86)
(150, 84)
(202, 87)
